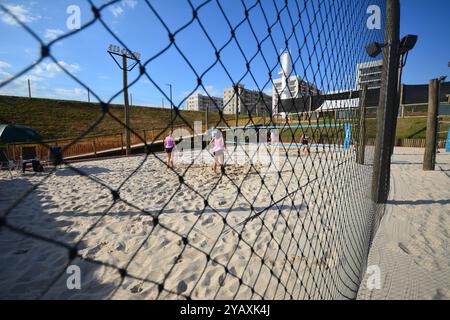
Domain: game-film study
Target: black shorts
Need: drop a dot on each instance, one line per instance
(169, 150)
(305, 142)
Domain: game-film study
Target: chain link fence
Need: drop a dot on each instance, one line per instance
(295, 225)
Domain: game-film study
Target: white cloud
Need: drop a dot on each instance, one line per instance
(21, 12)
(213, 91)
(75, 93)
(52, 34)
(40, 87)
(51, 69)
(4, 64)
(268, 91)
(18, 87)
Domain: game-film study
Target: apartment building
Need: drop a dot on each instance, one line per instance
(199, 102)
(298, 88)
(369, 73)
(249, 101)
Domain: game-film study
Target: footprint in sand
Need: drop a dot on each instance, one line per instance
(404, 248)
(182, 287)
(207, 221)
(136, 289)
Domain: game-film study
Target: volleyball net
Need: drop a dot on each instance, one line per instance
(139, 228)
(315, 135)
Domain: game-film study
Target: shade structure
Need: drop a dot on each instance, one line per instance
(12, 133)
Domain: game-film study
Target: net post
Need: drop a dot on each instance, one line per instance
(387, 103)
(360, 156)
(429, 158)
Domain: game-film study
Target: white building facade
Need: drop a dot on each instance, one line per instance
(199, 102)
(369, 73)
(297, 88)
(248, 101)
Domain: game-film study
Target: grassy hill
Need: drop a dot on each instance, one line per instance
(409, 128)
(56, 119)
(66, 119)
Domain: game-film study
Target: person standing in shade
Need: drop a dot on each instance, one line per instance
(169, 145)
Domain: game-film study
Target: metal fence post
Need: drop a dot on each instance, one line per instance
(94, 147)
(207, 117)
(402, 106)
(121, 142)
(387, 104)
(360, 155)
(429, 158)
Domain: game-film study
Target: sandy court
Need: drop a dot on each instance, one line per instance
(411, 246)
(298, 230)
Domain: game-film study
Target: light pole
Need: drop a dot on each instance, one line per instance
(125, 54)
(171, 105)
(395, 56)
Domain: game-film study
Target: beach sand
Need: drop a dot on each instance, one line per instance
(411, 247)
(203, 244)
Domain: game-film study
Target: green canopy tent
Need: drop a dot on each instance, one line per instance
(13, 133)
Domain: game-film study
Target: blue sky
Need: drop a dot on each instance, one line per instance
(430, 21)
(84, 54)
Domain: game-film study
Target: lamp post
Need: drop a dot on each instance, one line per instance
(388, 101)
(125, 54)
(29, 88)
(171, 105)
(395, 56)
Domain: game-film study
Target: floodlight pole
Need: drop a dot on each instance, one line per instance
(236, 114)
(29, 88)
(126, 105)
(387, 105)
(171, 105)
(125, 54)
(207, 117)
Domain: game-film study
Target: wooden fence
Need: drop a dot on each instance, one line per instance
(92, 145)
(409, 143)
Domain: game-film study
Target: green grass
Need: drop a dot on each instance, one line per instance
(409, 128)
(57, 119)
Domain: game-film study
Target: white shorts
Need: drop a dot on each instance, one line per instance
(218, 153)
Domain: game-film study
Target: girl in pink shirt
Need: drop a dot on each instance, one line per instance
(169, 145)
(219, 147)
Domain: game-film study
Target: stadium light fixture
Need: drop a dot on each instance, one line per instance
(374, 49)
(408, 43)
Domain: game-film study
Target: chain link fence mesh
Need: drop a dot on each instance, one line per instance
(297, 226)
